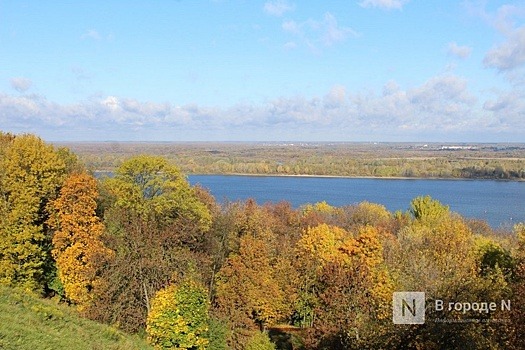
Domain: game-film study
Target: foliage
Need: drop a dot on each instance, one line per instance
(427, 209)
(157, 226)
(179, 317)
(439, 254)
(260, 341)
(347, 292)
(152, 187)
(217, 334)
(517, 333)
(324, 159)
(32, 173)
(493, 256)
(129, 249)
(247, 291)
(77, 247)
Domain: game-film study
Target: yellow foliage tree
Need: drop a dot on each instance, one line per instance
(31, 174)
(179, 317)
(344, 284)
(77, 245)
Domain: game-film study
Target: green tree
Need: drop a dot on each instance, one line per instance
(157, 225)
(427, 209)
(150, 186)
(179, 317)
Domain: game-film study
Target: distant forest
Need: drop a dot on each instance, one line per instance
(469, 161)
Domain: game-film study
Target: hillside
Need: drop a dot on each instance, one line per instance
(28, 322)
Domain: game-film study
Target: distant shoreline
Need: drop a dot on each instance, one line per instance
(101, 172)
(343, 176)
(359, 177)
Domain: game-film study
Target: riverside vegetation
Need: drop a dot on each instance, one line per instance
(483, 161)
(148, 254)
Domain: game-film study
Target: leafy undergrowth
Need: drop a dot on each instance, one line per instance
(29, 322)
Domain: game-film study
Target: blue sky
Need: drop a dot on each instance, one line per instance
(235, 70)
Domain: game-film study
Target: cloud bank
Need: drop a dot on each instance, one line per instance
(442, 106)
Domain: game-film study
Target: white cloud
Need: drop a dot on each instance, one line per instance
(440, 104)
(277, 7)
(384, 4)
(21, 84)
(314, 33)
(459, 51)
(508, 55)
(333, 33)
(442, 90)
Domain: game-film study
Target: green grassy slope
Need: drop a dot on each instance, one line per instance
(28, 322)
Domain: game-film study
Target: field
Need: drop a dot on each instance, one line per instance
(414, 160)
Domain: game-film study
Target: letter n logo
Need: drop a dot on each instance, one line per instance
(408, 307)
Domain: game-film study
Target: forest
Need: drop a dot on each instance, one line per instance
(151, 255)
(411, 160)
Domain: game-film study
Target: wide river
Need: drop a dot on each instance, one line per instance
(500, 203)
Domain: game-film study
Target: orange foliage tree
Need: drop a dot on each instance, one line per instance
(77, 245)
(248, 292)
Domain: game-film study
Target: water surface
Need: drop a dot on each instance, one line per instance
(498, 202)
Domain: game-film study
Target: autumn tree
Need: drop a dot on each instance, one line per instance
(77, 246)
(179, 317)
(260, 341)
(157, 225)
(31, 175)
(345, 288)
(517, 329)
(439, 254)
(319, 213)
(247, 292)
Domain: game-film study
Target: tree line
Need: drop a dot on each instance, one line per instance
(150, 254)
(339, 159)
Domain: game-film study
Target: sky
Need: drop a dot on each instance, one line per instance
(277, 70)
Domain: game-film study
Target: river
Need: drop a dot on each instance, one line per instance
(500, 203)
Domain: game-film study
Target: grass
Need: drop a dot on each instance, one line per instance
(29, 322)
